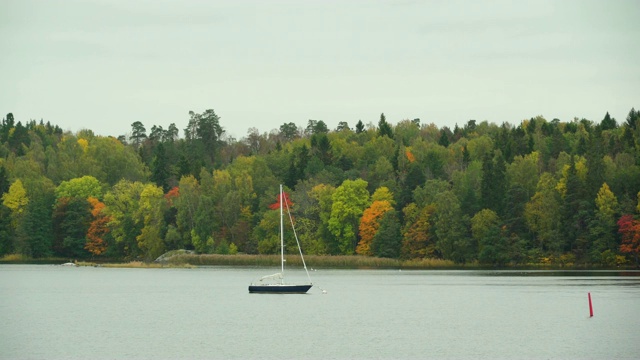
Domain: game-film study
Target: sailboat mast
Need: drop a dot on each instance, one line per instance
(281, 232)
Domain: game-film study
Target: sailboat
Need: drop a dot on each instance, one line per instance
(274, 284)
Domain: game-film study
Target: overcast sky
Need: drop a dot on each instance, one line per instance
(104, 64)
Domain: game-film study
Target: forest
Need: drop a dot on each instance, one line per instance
(540, 191)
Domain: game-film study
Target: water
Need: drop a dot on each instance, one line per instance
(54, 312)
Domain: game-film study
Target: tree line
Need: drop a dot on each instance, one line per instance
(549, 192)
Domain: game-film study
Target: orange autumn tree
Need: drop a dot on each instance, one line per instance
(96, 244)
(410, 156)
(369, 225)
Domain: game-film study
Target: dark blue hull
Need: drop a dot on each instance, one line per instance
(279, 289)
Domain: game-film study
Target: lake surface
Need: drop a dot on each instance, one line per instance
(55, 312)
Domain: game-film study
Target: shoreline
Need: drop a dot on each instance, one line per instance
(312, 261)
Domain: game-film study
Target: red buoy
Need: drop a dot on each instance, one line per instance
(590, 306)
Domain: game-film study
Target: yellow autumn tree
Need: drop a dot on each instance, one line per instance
(151, 214)
(416, 239)
(581, 171)
(383, 194)
(16, 200)
(606, 202)
(369, 225)
(84, 144)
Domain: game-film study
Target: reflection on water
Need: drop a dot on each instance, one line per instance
(73, 313)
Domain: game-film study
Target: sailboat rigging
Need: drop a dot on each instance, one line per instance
(276, 282)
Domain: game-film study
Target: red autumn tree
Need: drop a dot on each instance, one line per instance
(172, 194)
(629, 228)
(96, 244)
(287, 202)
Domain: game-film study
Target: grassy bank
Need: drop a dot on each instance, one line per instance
(360, 262)
(22, 259)
(335, 262)
(141, 264)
